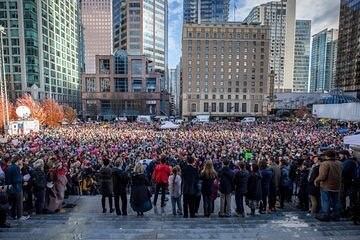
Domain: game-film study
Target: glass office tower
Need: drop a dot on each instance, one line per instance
(302, 55)
(201, 11)
(42, 50)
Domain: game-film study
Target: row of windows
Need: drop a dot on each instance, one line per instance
(220, 107)
(121, 85)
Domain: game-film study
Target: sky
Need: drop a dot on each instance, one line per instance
(323, 13)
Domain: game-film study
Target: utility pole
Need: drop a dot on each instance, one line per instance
(3, 86)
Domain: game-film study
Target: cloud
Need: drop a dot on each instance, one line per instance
(323, 13)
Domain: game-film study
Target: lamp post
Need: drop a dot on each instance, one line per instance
(3, 87)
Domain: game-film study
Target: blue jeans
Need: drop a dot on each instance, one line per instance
(176, 201)
(330, 203)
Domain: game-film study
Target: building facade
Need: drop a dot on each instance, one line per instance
(201, 11)
(225, 70)
(302, 56)
(280, 16)
(140, 28)
(123, 86)
(348, 57)
(174, 80)
(323, 60)
(97, 30)
(42, 51)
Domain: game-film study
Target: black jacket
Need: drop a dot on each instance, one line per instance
(241, 181)
(139, 191)
(254, 187)
(313, 174)
(206, 185)
(120, 180)
(190, 180)
(226, 176)
(39, 179)
(105, 177)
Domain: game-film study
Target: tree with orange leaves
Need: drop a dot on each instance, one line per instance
(35, 108)
(69, 114)
(54, 113)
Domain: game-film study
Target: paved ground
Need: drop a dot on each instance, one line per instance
(87, 222)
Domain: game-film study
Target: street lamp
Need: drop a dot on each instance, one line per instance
(3, 87)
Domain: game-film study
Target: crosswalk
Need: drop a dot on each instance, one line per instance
(86, 221)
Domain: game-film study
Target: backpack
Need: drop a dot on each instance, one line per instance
(285, 177)
(39, 179)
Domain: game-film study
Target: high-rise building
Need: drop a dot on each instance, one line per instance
(323, 60)
(280, 16)
(201, 11)
(225, 70)
(42, 51)
(302, 55)
(97, 30)
(348, 56)
(174, 90)
(140, 28)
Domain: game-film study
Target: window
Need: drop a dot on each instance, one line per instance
(193, 107)
(213, 107)
(104, 66)
(137, 85)
(243, 108)
(104, 84)
(256, 108)
(206, 107)
(228, 107)
(121, 62)
(151, 84)
(221, 107)
(236, 107)
(121, 85)
(90, 84)
(136, 67)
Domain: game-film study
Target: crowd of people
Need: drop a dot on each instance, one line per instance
(261, 164)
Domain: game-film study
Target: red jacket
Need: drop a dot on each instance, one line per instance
(161, 173)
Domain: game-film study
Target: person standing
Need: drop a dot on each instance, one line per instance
(13, 177)
(285, 183)
(314, 191)
(4, 204)
(274, 186)
(175, 190)
(329, 180)
(106, 186)
(240, 184)
(39, 185)
(254, 194)
(207, 177)
(226, 177)
(160, 176)
(266, 179)
(190, 179)
(140, 196)
(120, 181)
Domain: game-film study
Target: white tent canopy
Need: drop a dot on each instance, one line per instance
(352, 140)
(169, 125)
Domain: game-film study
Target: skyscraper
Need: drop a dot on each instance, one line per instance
(42, 51)
(140, 28)
(201, 11)
(302, 55)
(97, 30)
(280, 16)
(323, 60)
(348, 57)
